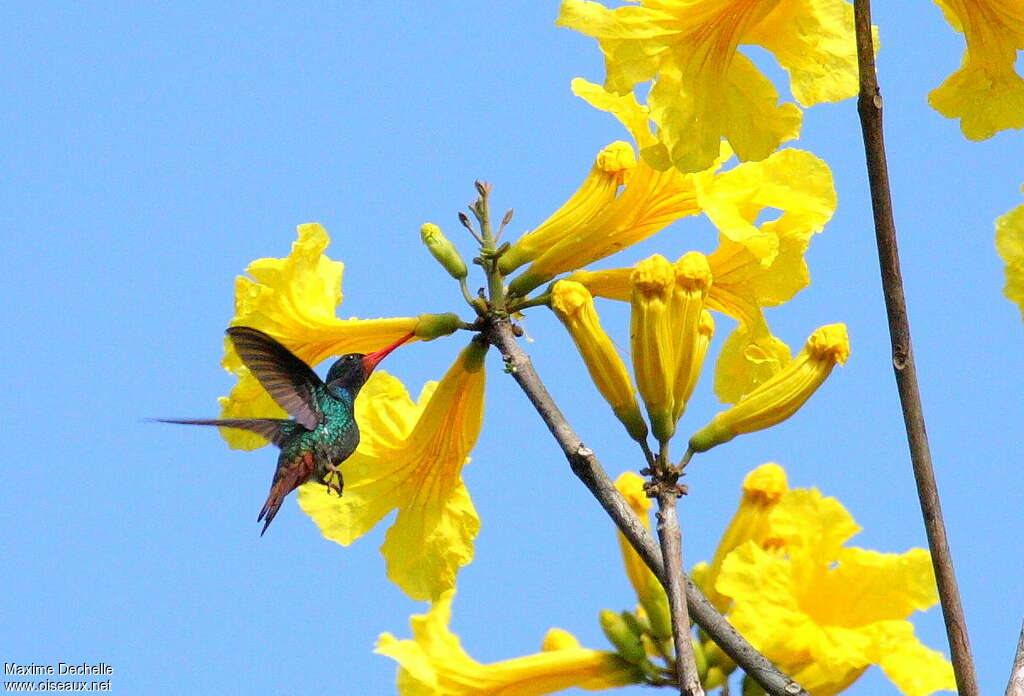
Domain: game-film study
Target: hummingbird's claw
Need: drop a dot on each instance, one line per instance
(333, 485)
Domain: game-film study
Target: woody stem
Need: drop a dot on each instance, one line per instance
(869, 108)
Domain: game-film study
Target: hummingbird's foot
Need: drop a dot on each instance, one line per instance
(335, 485)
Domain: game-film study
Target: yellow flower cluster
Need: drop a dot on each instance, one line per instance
(759, 262)
(823, 612)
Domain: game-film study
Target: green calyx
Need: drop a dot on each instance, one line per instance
(431, 326)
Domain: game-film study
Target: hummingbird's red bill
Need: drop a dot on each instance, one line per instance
(371, 360)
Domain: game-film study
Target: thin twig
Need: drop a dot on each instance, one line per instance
(671, 539)
(589, 470)
(869, 107)
(1016, 685)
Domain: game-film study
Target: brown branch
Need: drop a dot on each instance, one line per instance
(869, 107)
(589, 470)
(671, 538)
(1016, 685)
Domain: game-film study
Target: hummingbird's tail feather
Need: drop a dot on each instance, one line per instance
(285, 481)
(274, 429)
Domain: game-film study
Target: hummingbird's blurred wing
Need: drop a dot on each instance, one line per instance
(291, 382)
(274, 429)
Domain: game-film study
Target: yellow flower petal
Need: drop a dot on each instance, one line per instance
(795, 182)
(691, 325)
(821, 58)
(697, 108)
(915, 668)
(434, 663)
(704, 89)
(413, 463)
(812, 524)
(750, 356)
(985, 93)
(294, 299)
(1010, 245)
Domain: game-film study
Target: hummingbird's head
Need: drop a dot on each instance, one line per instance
(353, 369)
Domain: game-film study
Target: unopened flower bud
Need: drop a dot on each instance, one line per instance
(443, 250)
(692, 282)
(627, 643)
(651, 340)
(699, 659)
(574, 306)
(778, 398)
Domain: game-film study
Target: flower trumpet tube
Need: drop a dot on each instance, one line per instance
(779, 398)
(612, 167)
(574, 306)
(652, 342)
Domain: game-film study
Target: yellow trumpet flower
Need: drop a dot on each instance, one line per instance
(704, 89)
(410, 457)
(824, 612)
(985, 93)
(433, 663)
(611, 169)
(777, 399)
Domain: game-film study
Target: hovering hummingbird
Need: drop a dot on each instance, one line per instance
(323, 433)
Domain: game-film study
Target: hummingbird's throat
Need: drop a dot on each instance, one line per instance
(371, 360)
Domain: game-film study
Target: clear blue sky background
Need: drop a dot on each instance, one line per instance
(151, 150)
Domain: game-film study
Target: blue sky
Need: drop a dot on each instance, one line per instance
(152, 150)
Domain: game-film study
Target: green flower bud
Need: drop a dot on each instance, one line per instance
(443, 250)
(751, 687)
(431, 326)
(699, 658)
(626, 641)
(658, 613)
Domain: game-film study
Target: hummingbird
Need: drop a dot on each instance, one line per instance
(322, 432)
